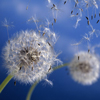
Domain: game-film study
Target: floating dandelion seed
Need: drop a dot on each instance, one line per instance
(64, 2)
(80, 6)
(7, 25)
(28, 5)
(28, 57)
(55, 8)
(86, 69)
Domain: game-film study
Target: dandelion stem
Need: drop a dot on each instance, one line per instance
(31, 90)
(5, 82)
(34, 85)
(60, 66)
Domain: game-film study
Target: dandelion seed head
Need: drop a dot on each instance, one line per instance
(29, 57)
(84, 70)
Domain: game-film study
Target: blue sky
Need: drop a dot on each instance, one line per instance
(64, 87)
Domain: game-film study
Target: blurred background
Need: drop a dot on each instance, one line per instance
(18, 13)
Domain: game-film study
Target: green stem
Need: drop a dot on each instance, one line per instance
(31, 90)
(60, 66)
(34, 85)
(5, 82)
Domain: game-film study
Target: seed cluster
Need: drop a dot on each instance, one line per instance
(28, 56)
(84, 67)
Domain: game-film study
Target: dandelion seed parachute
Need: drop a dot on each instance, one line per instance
(29, 57)
(84, 70)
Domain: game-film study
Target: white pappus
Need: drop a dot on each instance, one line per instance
(29, 57)
(84, 68)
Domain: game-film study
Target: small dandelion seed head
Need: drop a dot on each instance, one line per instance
(29, 57)
(86, 69)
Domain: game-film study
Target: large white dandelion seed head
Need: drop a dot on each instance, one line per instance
(29, 56)
(84, 68)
